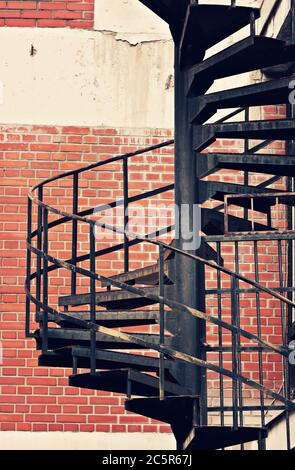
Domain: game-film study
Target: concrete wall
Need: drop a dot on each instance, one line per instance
(121, 74)
(85, 441)
(84, 78)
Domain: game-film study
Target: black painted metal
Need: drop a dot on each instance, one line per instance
(75, 230)
(126, 203)
(45, 281)
(162, 321)
(179, 395)
(39, 245)
(92, 298)
(28, 270)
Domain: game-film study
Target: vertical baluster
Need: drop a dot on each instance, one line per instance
(238, 321)
(74, 232)
(39, 246)
(126, 218)
(75, 364)
(45, 281)
(162, 321)
(246, 150)
(92, 300)
(220, 341)
(252, 24)
(28, 270)
(260, 355)
(234, 315)
(284, 342)
(129, 385)
(293, 23)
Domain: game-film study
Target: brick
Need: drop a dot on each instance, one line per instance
(9, 14)
(39, 418)
(71, 419)
(52, 5)
(20, 22)
(11, 418)
(27, 5)
(51, 23)
(75, 130)
(102, 419)
(67, 15)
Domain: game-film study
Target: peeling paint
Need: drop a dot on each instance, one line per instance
(134, 39)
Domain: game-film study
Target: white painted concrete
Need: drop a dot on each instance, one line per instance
(84, 78)
(277, 436)
(119, 75)
(130, 20)
(85, 441)
(275, 22)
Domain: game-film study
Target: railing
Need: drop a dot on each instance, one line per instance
(46, 263)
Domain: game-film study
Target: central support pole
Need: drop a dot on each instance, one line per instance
(190, 276)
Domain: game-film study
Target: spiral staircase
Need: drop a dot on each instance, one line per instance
(167, 376)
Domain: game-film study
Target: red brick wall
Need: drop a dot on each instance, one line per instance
(47, 14)
(38, 398)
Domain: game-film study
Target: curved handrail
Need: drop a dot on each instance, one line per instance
(177, 306)
(114, 229)
(170, 247)
(162, 349)
(141, 292)
(98, 164)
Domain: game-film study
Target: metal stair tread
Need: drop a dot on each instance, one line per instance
(283, 165)
(272, 92)
(213, 23)
(217, 190)
(111, 319)
(217, 437)
(116, 381)
(213, 223)
(61, 337)
(166, 10)
(149, 275)
(252, 53)
(281, 129)
(170, 410)
(105, 359)
(114, 300)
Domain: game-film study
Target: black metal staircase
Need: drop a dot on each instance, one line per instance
(175, 386)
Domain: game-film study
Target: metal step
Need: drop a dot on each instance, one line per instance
(213, 223)
(59, 338)
(104, 359)
(280, 165)
(172, 410)
(216, 437)
(282, 129)
(117, 381)
(253, 53)
(218, 190)
(273, 92)
(110, 319)
(206, 25)
(170, 11)
(205, 251)
(149, 275)
(113, 300)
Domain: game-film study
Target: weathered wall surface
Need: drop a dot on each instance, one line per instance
(85, 78)
(111, 79)
(120, 74)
